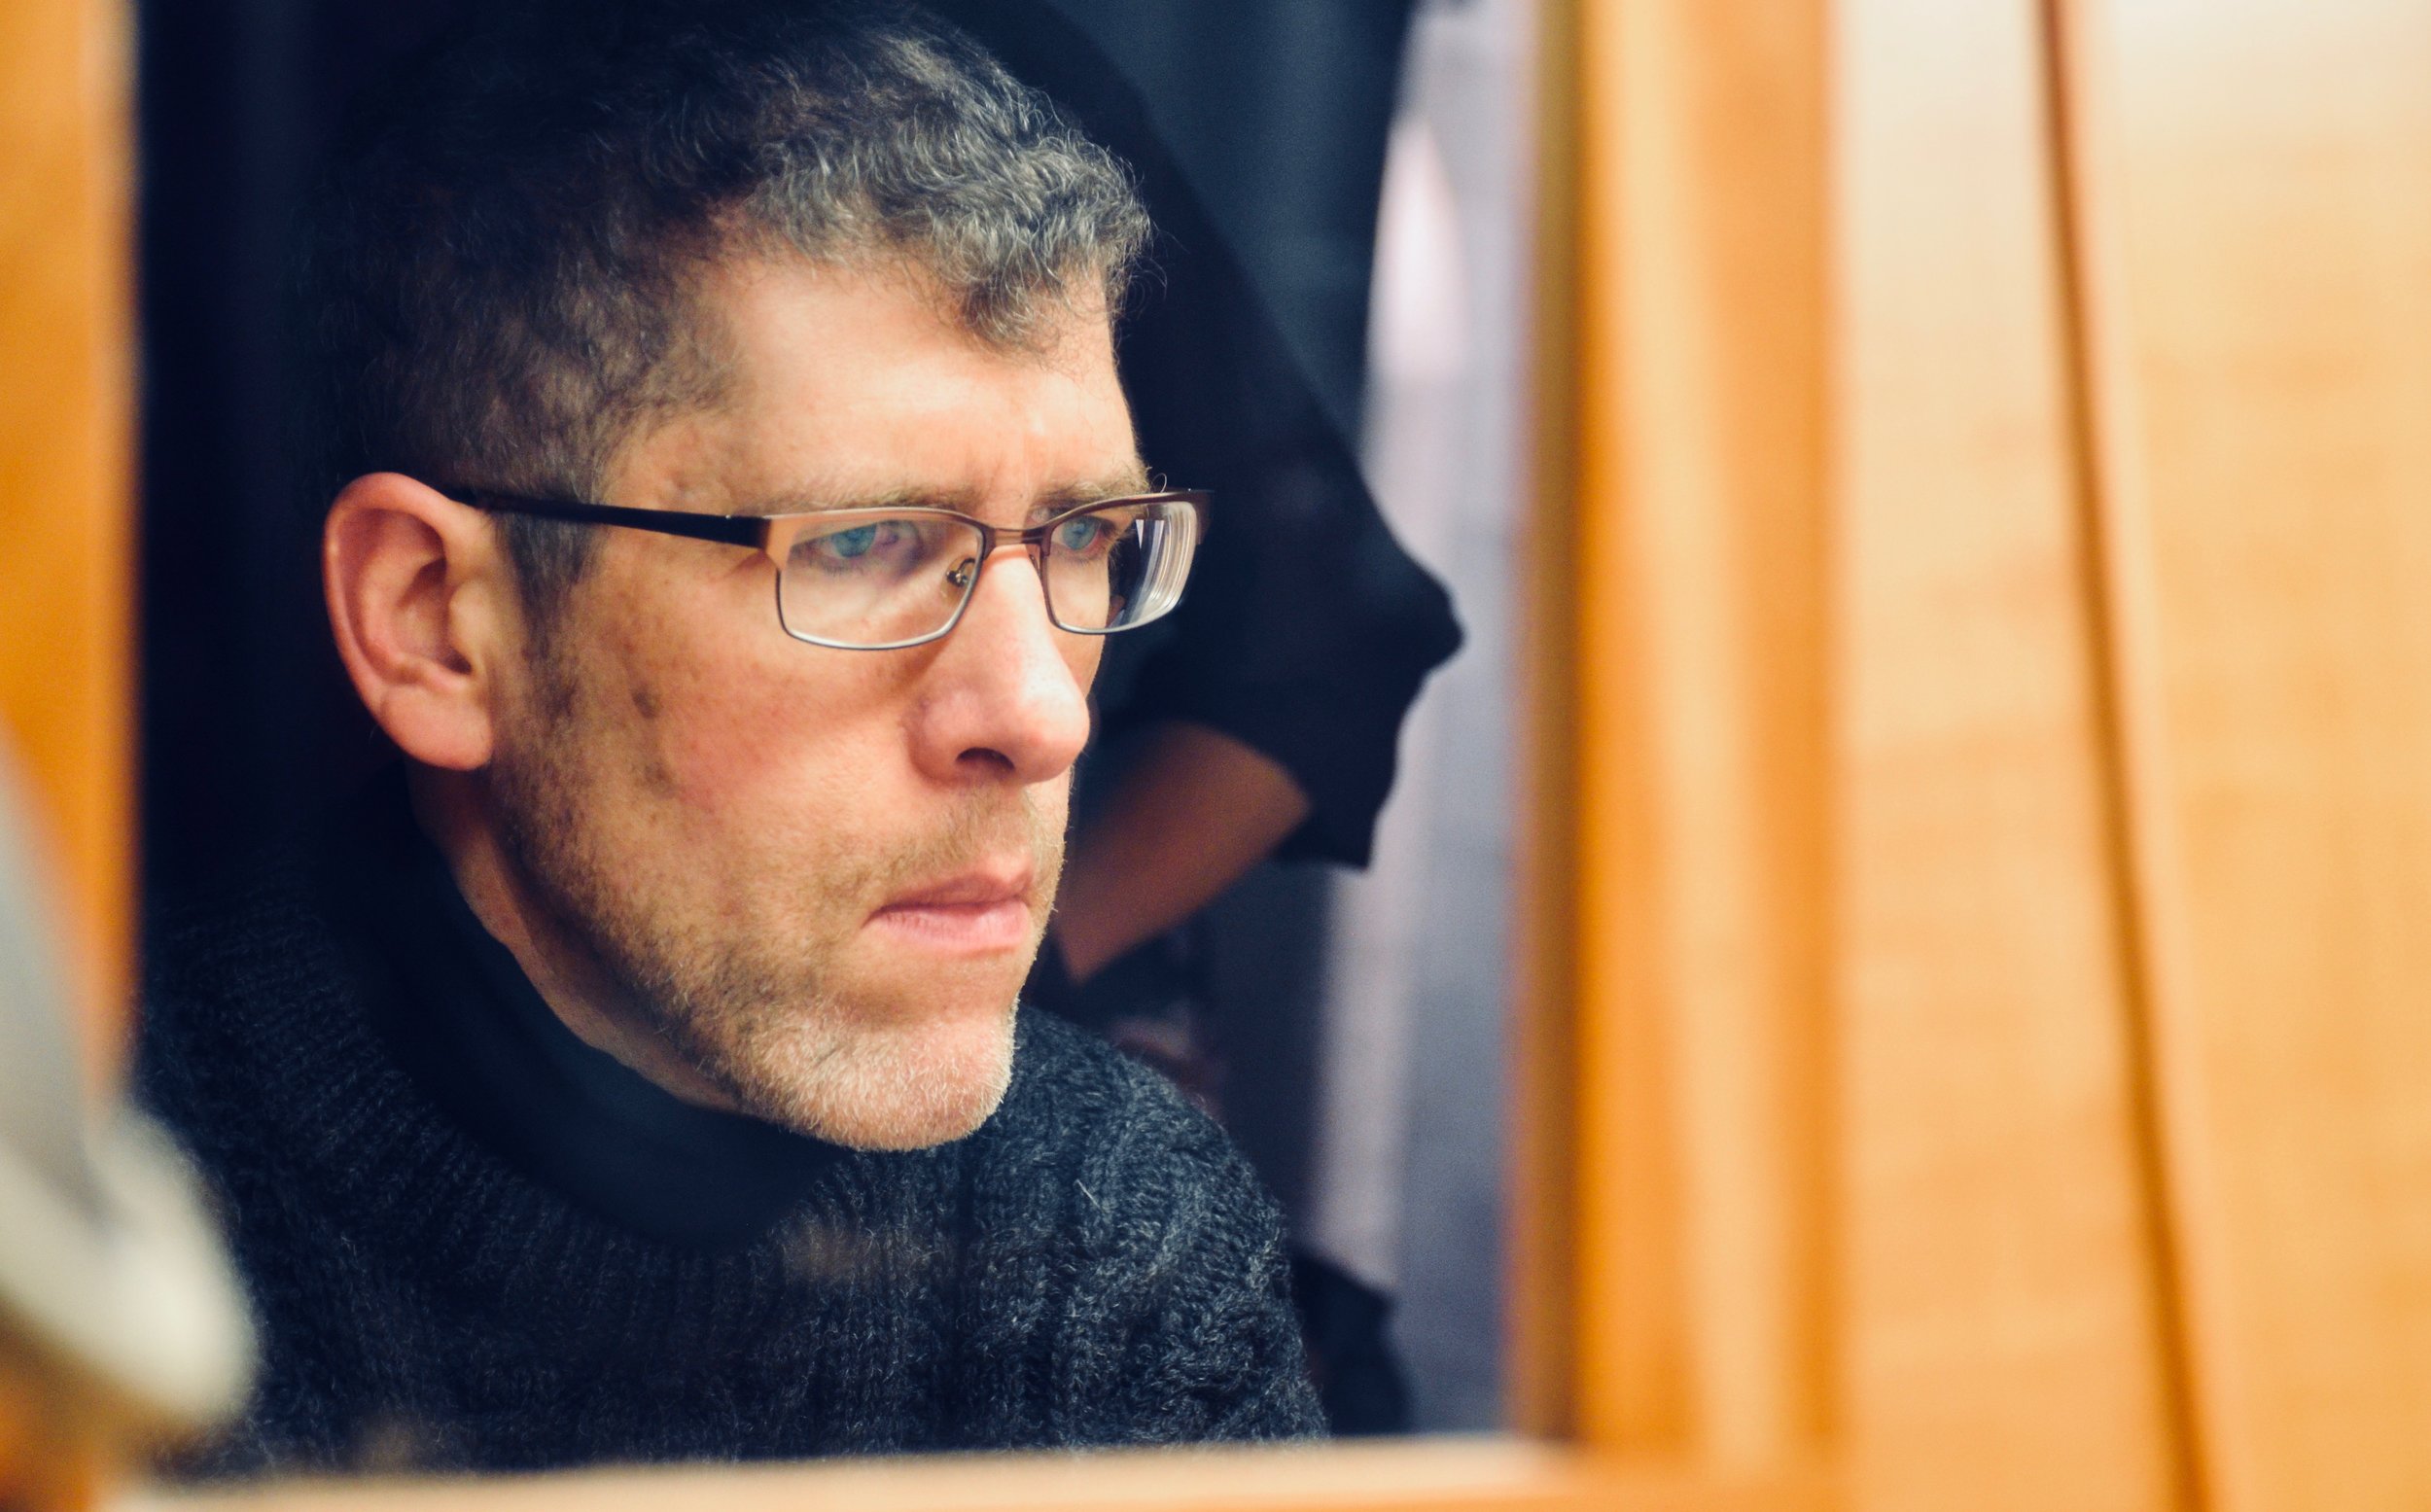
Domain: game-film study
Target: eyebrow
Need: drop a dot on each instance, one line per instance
(1131, 480)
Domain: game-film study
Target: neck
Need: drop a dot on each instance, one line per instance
(453, 809)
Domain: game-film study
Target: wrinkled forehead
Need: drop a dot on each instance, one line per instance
(1015, 304)
(851, 381)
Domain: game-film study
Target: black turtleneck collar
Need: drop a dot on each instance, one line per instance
(469, 1028)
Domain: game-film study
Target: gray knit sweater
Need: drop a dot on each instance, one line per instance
(1095, 1265)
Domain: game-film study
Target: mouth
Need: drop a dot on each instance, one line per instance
(981, 911)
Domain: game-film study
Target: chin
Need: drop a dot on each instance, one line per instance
(888, 1086)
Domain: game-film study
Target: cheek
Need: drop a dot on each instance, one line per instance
(765, 744)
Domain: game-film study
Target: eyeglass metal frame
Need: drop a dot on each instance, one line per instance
(774, 536)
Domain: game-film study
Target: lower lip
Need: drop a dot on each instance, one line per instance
(959, 928)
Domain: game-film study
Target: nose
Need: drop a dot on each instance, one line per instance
(1007, 693)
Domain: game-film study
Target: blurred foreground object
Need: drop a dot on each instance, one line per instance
(121, 1323)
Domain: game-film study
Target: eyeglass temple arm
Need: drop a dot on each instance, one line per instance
(752, 530)
(742, 530)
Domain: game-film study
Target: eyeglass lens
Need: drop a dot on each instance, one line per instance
(875, 582)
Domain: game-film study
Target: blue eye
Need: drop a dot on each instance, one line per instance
(1084, 535)
(891, 544)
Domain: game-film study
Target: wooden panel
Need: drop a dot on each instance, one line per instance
(1700, 801)
(1542, 1251)
(2007, 1345)
(2255, 192)
(1441, 1477)
(54, 1455)
(65, 436)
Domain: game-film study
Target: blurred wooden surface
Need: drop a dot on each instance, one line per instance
(66, 692)
(2128, 517)
(53, 1456)
(1542, 1247)
(1448, 1476)
(1699, 784)
(2256, 182)
(2004, 1310)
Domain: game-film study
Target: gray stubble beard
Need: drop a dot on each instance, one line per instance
(779, 1044)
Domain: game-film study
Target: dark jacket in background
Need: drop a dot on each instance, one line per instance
(1307, 630)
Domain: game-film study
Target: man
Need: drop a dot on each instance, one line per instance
(739, 490)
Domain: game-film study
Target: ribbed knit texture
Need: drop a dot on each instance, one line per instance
(1095, 1266)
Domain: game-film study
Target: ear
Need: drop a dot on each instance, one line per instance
(424, 612)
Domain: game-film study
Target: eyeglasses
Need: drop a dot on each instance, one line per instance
(884, 579)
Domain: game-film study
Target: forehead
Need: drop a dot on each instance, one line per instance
(846, 382)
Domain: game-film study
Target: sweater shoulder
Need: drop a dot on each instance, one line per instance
(1085, 1103)
(261, 914)
(222, 962)
(1174, 1309)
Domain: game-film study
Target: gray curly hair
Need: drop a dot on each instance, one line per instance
(500, 270)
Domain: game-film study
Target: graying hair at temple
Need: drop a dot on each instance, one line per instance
(497, 275)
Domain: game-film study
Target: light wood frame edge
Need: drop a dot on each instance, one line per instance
(1442, 1475)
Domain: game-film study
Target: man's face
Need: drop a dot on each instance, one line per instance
(821, 875)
